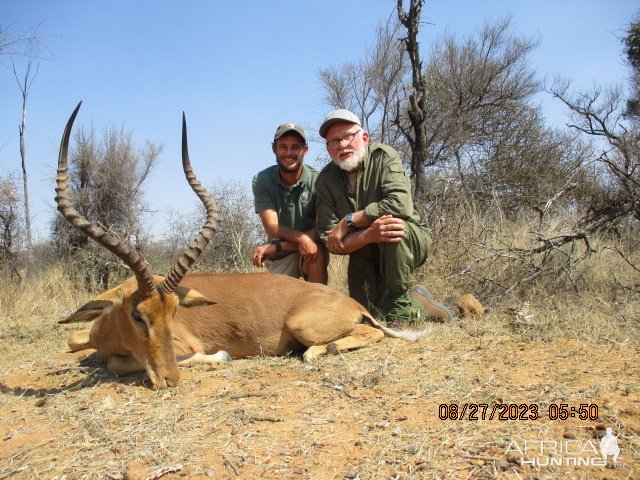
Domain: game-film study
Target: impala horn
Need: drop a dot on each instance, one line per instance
(191, 254)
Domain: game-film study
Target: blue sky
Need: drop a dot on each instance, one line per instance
(240, 68)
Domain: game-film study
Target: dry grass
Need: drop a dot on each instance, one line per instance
(366, 414)
(28, 313)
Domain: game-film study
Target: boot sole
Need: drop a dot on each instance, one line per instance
(435, 309)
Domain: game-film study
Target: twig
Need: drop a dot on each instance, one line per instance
(386, 360)
(480, 457)
(238, 396)
(162, 471)
(9, 472)
(229, 465)
(72, 369)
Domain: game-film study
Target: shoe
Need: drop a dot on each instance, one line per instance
(433, 308)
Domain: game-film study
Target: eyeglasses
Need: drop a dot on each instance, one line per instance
(347, 138)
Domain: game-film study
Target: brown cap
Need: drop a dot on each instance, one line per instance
(289, 127)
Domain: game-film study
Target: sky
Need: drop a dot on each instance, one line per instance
(240, 68)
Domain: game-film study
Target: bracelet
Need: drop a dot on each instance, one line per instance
(278, 244)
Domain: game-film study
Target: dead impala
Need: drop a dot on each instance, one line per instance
(153, 324)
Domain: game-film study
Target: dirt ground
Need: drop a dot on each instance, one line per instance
(372, 413)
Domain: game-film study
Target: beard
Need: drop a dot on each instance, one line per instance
(353, 162)
(294, 168)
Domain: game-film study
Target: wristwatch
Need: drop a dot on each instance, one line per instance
(278, 243)
(349, 219)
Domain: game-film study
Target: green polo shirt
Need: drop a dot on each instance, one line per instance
(382, 188)
(295, 204)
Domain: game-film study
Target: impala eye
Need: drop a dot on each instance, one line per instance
(137, 317)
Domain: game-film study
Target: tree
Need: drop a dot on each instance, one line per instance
(239, 230)
(601, 114)
(27, 46)
(371, 88)
(417, 109)
(106, 180)
(25, 82)
(632, 52)
(10, 226)
(471, 101)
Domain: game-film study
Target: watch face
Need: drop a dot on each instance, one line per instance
(349, 220)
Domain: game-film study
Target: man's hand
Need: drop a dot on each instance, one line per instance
(307, 247)
(385, 229)
(262, 253)
(335, 237)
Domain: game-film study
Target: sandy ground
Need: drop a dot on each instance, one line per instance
(372, 413)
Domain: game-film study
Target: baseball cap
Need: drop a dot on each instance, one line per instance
(289, 127)
(339, 115)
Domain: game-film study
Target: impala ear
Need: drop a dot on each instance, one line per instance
(88, 312)
(96, 307)
(191, 298)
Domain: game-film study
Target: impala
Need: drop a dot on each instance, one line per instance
(154, 324)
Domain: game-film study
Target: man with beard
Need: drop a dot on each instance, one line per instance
(365, 210)
(284, 198)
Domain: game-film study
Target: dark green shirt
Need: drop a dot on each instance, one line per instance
(382, 188)
(295, 204)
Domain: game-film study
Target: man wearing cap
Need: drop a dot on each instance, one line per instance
(365, 210)
(284, 198)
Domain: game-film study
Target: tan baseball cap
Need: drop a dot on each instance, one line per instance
(289, 127)
(339, 115)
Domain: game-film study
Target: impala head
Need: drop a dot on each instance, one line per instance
(139, 311)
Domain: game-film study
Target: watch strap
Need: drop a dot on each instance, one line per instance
(278, 244)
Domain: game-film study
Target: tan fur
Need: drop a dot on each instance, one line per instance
(244, 314)
(470, 306)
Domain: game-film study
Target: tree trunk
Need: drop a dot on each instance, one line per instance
(25, 186)
(417, 100)
(25, 86)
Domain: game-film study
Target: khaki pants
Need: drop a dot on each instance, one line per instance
(291, 265)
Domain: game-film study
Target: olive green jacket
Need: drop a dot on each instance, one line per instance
(382, 188)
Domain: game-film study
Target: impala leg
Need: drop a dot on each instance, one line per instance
(124, 365)
(196, 358)
(79, 341)
(362, 336)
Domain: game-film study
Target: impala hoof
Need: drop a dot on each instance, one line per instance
(223, 356)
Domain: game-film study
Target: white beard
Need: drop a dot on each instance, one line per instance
(354, 161)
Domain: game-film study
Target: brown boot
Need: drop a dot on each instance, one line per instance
(433, 308)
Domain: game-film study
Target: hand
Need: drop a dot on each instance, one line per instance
(336, 235)
(385, 229)
(262, 253)
(308, 248)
